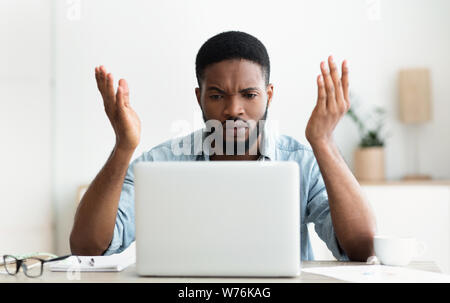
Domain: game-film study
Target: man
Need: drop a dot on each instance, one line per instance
(233, 70)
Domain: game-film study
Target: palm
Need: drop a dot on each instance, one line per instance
(332, 103)
(123, 118)
(129, 127)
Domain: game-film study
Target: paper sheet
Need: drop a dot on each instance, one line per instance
(379, 274)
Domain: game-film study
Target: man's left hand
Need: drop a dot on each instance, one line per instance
(332, 103)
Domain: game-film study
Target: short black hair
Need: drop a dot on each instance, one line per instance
(232, 45)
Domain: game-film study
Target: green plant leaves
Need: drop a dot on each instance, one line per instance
(369, 129)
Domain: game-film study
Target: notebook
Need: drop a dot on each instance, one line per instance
(116, 262)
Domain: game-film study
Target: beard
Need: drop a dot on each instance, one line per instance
(252, 137)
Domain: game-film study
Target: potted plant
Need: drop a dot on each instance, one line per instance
(369, 163)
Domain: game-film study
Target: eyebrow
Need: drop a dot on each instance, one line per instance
(223, 92)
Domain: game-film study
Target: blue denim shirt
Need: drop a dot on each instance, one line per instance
(314, 205)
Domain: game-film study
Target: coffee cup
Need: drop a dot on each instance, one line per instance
(397, 251)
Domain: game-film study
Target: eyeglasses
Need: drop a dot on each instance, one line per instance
(33, 266)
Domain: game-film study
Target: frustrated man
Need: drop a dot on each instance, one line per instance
(234, 91)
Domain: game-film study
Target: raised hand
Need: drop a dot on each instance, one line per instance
(123, 118)
(332, 103)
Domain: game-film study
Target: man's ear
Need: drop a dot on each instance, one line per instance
(269, 92)
(198, 94)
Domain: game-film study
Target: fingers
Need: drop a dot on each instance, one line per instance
(100, 78)
(120, 98)
(105, 81)
(336, 87)
(329, 86)
(109, 90)
(125, 92)
(336, 80)
(345, 83)
(322, 94)
(105, 84)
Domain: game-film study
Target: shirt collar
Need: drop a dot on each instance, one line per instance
(268, 141)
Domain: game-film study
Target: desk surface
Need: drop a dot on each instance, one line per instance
(129, 276)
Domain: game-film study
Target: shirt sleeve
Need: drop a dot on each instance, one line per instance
(318, 211)
(124, 228)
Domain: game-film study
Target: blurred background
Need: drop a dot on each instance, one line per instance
(56, 136)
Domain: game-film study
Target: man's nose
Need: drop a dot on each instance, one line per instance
(233, 107)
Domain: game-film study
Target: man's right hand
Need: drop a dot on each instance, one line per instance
(123, 118)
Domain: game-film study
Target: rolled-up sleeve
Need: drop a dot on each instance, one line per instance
(318, 212)
(124, 229)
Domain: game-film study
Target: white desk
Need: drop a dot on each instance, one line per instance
(129, 276)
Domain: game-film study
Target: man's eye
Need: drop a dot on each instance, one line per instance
(215, 97)
(250, 96)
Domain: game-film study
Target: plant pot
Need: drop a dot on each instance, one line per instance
(369, 164)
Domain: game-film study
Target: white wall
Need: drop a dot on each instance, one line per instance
(26, 222)
(153, 45)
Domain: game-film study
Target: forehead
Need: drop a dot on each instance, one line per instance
(234, 73)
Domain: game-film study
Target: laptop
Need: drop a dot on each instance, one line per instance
(218, 218)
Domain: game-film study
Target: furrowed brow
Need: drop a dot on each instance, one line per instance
(248, 89)
(213, 88)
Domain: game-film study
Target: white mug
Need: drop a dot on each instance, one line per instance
(397, 251)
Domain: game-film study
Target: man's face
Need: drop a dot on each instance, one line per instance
(234, 90)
